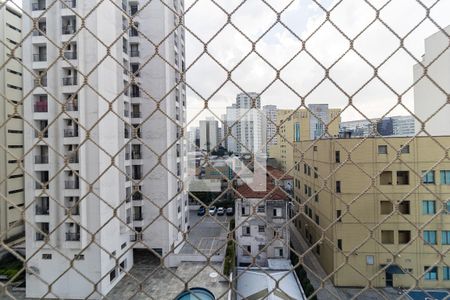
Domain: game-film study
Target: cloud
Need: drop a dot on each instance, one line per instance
(326, 45)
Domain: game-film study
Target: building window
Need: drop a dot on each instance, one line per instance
(246, 230)
(428, 207)
(112, 275)
(382, 149)
(46, 256)
(247, 251)
(316, 174)
(386, 207)
(429, 237)
(386, 178)
(338, 215)
(445, 237)
(446, 273)
(279, 252)
(317, 219)
(445, 176)
(370, 259)
(404, 236)
(402, 177)
(404, 149)
(431, 273)
(338, 186)
(261, 208)
(339, 244)
(404, 207)
(387, 236)
(261, 228)
(277, 212)
(338, 156)
(261, 247)
(318, 249)
(428, 177)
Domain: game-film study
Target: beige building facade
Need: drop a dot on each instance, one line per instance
(376, 210)
(300, 125)
(11, 128)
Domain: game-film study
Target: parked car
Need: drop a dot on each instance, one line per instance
(230, 211)
(220, 211)
(201, 211)
(212, 210)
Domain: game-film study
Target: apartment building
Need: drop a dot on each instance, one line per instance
(431, 91)
(260, 218)
(93, 144)
(246, 125)
(299, 125)
(11, 131)
(376, 209)
(270, 113)
(209, 134)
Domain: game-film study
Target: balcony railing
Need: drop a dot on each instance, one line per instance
(134, 53)
(41, 107)
(71, 185)
(138, 218)
(41, 185)
(37, 133)
(40, 57)
(70, 132)
(69, 29)
(40, 82)
(70, 55)
(136, 155)
(40, 32)
(72, 236)
(40, 236)
(72, 159)
(42, 210)
(41, 159)
(70, 106)
(38, 6)
(74, 211)
(135, 114)
(137, 197)
(70, 81)
(68, 3)
(136, 237)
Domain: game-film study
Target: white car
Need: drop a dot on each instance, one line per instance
(220, 211)
(212, 210)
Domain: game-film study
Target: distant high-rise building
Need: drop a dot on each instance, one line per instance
(99, 169)
(270, 112)
(250, 124)
(231, 128)
(431, 91)
(209, 131)
(388, 126)
(302, 125)
(11, 130)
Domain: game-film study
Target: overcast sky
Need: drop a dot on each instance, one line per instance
(279, 46)
(327, 45)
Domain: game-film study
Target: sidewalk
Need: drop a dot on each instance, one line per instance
(328, 291)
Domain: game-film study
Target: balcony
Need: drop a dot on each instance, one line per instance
(138, 218)
(70, 132)
(72, 236)
(42, 82)
(134, 53)
(71, 185)
(42, 132)
(41, 185)
(137, 197)
(42, 210)
(69, 81)
(38, 6)
(70, 55)
(68, 29)
(136, 237)
(74, 211)
(39, 57)
(41, 159)
(71, 106)
(135, 114)
(41, 106)
(40, 236)
(137, 175)
(68, 3)
(40, 32)
(72, 159)
(136, 155)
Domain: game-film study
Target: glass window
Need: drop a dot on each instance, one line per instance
(446, 273)
(382, 149)
(428, 207)
(429, 237)
(431, 273)
(428, 177)
(445, 176)
(445, 237)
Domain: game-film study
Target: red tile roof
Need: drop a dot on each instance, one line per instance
(271, 192)
(277, 174)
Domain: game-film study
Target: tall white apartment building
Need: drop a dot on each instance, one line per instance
(270, 112)
(11, 131)
(430, 95)
(250, 124)
(99, 160)
(209, 134)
